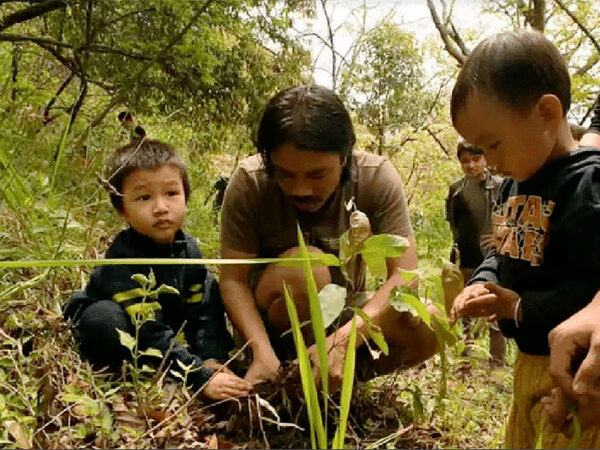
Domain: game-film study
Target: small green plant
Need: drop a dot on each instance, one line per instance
(326, 306)
(141, 312)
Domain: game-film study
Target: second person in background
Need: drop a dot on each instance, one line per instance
(468, 211)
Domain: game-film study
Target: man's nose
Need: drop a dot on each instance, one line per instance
(301, 188)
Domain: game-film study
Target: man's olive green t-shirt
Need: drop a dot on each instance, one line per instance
(257, 218)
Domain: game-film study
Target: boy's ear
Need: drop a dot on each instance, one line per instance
(550, 109)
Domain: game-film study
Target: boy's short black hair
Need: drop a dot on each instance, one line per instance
(310, 118)
(464, 146)
(146, 154)
(517, 67)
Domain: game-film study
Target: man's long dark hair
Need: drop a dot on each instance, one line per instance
(311, 118)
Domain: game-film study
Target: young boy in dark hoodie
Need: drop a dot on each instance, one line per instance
(149, 189)
(511, 99)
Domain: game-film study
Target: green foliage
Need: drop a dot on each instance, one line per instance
(347, 385)
(318, 435)
(316, 320)
(204, 96)
(140, 312)
(318, 422)
(404, 299)
(378, 248)
(385, 85)
(219, 70)
(332, 299)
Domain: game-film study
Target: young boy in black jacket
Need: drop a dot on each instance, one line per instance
(511, 99)
(149, 189)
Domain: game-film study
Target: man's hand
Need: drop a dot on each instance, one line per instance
(569, 341)
(265, 366)
(485, 300)
(336, 351)
(226, 384)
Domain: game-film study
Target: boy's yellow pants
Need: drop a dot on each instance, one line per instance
(531, 383)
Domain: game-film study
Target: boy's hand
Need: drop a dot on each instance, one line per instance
(226, 385)
(485, 300)
(468, 293)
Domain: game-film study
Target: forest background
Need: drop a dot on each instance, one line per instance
(197, 74)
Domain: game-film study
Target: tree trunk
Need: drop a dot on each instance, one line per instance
(380, 138)
(538, 15)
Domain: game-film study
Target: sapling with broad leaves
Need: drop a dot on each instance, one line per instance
(326, 307)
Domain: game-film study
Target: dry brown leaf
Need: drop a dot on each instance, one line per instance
(18, 434)
(212, 441)
(126, 416)
(157, 414)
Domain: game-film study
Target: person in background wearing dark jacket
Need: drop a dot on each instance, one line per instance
(149, 188)
(544, 266)
(468, 211)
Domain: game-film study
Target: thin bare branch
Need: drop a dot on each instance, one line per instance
(591, 62)
(5, 37)
(33, 11)
(578, 23)
(91, 48)
(438, 142)
(330, 35)
(67, 62)
(124, 16)
(79, 102)
(46, 115)
(445, 34)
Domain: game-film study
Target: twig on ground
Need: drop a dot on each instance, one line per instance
(188, 402)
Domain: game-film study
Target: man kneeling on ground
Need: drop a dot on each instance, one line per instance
(306, 172)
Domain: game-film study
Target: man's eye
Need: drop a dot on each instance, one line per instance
(143, 198)
(316, 176)
(282, 175)
(172, 193)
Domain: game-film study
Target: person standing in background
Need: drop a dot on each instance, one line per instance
(468, 211)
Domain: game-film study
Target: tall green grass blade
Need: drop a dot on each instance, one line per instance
(539, 440)
(59, 155)
(574, 442)
(15, 289)
(347, 385)
(139, 261)
(321, 259)
(306, 376)
(12, 186)
(316, 318)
